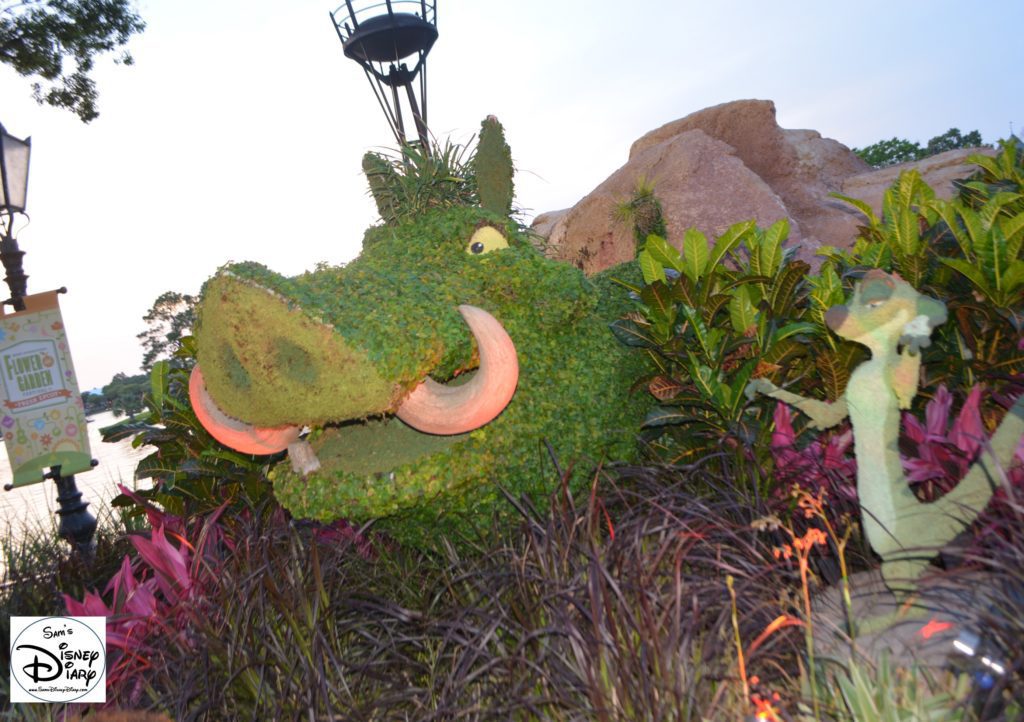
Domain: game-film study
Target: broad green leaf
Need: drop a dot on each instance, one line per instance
(826, 291)
(859, 205)
(728, 241)
(158, 382)
(972, 272)
(663, 252)
(1013, 229)
(794, 329)
(695, 254)
(652, 270)
(1014, 277)
(742, 311)
(658, 300)
(713, 305)
(784, 290)
(667, 416)
(770, 252)
(975, 230)
(631, 334)
(737, 386)
(703, 377)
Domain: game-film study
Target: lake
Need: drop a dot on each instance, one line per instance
(36, 504)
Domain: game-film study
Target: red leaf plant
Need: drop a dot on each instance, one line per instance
(152, 597)
(824, 465)
(172, 581)
(936, 454)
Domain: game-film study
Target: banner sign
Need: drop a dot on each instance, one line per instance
(41, 413)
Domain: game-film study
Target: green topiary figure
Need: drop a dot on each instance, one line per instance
(382, 177)
(894, 321)
(431, 369)
(492, 165)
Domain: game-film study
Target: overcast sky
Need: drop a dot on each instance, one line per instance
(237, 135)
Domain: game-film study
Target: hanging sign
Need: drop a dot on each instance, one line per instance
(42, 417)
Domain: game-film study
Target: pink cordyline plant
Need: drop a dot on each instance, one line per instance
(154, 598)
(151, 598)
(825, 464)
(937, 454)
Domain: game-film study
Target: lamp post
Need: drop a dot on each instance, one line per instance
(14, 172)
(77, 525)
(381, 37)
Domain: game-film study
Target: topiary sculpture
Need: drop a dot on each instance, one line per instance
(431, 369)
(894, 321)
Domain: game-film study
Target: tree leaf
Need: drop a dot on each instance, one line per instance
(770, 252)
(859, 205)
(652, 270)
(728, 241)
(742, 311)
(664, 253)
(784, 290)
(971, 272)
(695, 254)
(664, 388)
(631, 334)
(667, 416)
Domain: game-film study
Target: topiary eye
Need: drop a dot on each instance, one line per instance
(485, 240)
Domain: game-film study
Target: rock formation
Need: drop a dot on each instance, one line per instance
(729, 163)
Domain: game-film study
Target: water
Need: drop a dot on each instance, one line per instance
(35, 505)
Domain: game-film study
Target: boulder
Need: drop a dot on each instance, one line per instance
(688, 170)
(731, 163)
(939, 171)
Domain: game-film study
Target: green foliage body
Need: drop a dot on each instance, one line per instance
(125, 394)
(339, 349)
(900, 150)
(169, 320)
(40, 37)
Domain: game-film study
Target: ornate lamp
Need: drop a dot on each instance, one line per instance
(77, 525)
(14, 172)
(380, 36)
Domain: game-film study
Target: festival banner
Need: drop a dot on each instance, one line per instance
(41, 413)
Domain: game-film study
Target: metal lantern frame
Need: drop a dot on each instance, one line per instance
(384, 38)
(14, 163)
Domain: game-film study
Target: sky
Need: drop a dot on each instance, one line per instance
(238, 132)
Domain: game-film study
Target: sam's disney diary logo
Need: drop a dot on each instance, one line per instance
(58, 659)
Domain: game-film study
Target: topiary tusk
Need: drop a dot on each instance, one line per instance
(234, 433)
(434, 408)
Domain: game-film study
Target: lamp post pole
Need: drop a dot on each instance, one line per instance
(77, 526)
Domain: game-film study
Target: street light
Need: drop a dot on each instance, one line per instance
(77, 525)
(380, 36)
(14, 172)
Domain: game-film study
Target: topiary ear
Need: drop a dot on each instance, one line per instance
(492, 165)
(383, 178)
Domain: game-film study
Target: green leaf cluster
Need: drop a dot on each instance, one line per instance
(192, 473)
(900, 150)
(43, 37)
(711, 317)
(965, 251)
(716, 313)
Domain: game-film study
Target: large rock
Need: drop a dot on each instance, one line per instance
(731, 163)
(689, 170)
(938, 170)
